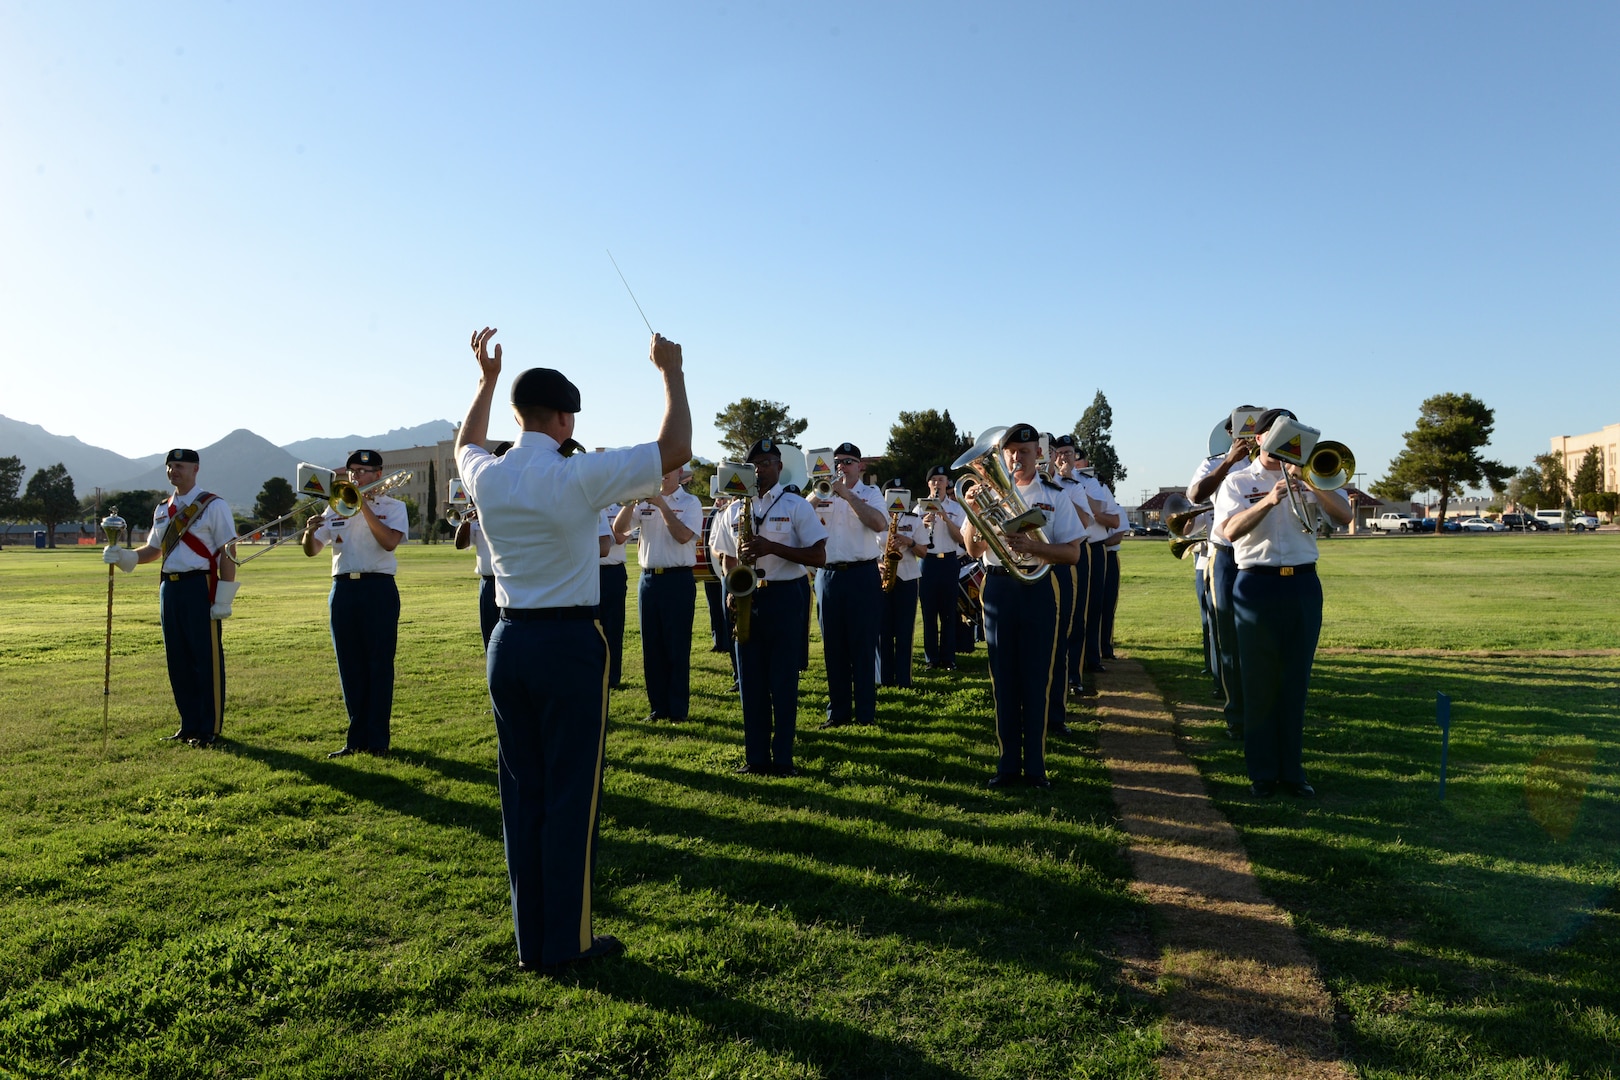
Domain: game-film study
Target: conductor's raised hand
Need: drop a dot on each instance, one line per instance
(664, 353)
(489, 363)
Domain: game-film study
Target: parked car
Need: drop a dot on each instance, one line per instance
(1482, 525)
(1393, 522)
(1139, 530)
(1157, 530)
(1583, 521)
(1522, 523)
(1423, 524)
(1451, 525)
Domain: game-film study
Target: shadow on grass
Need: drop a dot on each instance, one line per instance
(388, 791)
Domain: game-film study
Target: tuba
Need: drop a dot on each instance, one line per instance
(991, 501)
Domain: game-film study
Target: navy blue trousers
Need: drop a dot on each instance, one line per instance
(850, 602)
(1057, 691)
(1020, 629)
(1206, 618)
(1110, 605)
(1097, 590)
(666, 603)
(192, 646)
(768, 671)
(896, 631)
(1226, 637)
(613, 583)
(719, 624)
(489, 612)
(548, 684)
(937, 594)
(365, 633)
(1279, 620)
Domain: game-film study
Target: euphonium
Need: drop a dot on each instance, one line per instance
(995, 507)
(889, 569)
(742, 579)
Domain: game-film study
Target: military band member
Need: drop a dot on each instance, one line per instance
(1020, 617)
(1072, 640)
(547, 658)
(714, 592)
(1103, 523)
(849, 599)
(1278, 602)
(614, 584)
(787, 537)
(667, 595)
(1111, 542)
(363, 603)
(942, 532)
(469, 533)
(1206, 484)
(191, 534)
(898, 625)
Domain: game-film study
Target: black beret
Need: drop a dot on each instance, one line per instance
(546, 387)
(368, 458)
(939, 470)
(847, 449)
(183, 455)
(502, 447)
(767, 445)
(890, 485)
(1062, 440)
(1270, 416)
(1021, 433)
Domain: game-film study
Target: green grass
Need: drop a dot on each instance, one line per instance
(1473, 936)
(263, 911)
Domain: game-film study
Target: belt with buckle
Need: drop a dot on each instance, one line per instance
(942, 554)
(547, 614)
(1281, 571)
(182, 574)
(356, 576)
(848, 565)
(665, 569)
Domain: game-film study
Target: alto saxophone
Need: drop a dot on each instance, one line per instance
(742, 579)
(889, 571)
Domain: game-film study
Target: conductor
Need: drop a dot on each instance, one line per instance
(547, 663)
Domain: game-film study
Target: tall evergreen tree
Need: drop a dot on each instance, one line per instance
(917, 442)
(1442, 452)
(1589, 477)
(11, 476)
(745, 422)
(1096, 443)
(50, 498)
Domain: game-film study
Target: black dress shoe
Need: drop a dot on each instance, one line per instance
(825, 724)
(1038, 782)
(746, 769)
(1058, 727)
(1234, 732)
(1263, 789)
(1299, 789)
(654, 717)
(786, 772)
(201, 742)
(178, 736)
(1003, 782)
(345, 752)
(1216, 692)
(601, 945)
(734, 686)
(676, 719)
(1086, 691)
(1095, 669)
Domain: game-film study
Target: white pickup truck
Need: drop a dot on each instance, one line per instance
(1393, 523)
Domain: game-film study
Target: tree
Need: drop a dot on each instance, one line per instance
(1442, 451)
(11, 475)
(135, 507)
(1601, 502)
(413, 513)
(699, 484)
(276, 498)
(917, 442)
(745, 422)
(1553, 478)
(1095, 445)
(432, 534)
(50, 499)
(1589, 477)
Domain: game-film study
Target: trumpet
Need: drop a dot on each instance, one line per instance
(991, 501)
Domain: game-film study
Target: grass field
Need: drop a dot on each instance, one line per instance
(259, 910)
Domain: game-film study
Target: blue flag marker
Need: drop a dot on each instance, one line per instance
(1442, 716)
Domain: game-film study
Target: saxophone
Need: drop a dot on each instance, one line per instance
(742, 579)
(889, 570)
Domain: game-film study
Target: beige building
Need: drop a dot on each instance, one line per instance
(1573, 449)
(441, 456)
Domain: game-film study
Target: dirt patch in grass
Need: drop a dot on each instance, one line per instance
(1241, 996)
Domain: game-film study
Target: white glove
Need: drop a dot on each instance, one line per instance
(224, 593)
(122, 557)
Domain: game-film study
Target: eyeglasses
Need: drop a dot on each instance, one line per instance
(846, 461)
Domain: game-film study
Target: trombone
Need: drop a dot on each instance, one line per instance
(1325, 466)
(1181, 520)
(344, 502)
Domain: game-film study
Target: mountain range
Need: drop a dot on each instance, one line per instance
(235, 467)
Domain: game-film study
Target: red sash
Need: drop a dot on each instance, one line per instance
(179, 532)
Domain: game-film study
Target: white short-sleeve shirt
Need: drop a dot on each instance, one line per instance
(658, 549)
(779, 516)
(354, 547)
(213, 526)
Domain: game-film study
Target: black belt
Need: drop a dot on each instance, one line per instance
(1001, 570)
(546, 614)
(352, 576)
(487, 577)
(1280, 571)
(665, 569)
(942, 555)
(847, 565)
(182, 574)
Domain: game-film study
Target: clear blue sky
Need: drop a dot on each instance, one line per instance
(299, 212)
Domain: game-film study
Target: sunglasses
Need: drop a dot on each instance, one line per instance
(846, 461)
